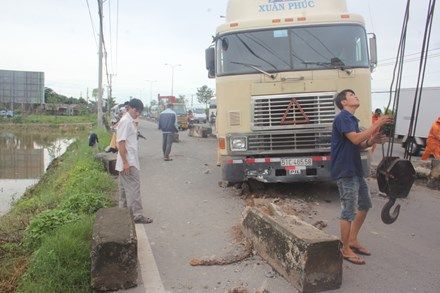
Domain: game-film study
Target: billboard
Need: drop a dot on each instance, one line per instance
(21, 87)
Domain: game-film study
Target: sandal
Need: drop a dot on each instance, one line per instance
(357, 260)
(360, 250)
(354, 259)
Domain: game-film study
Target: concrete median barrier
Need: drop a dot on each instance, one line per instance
(114, 251)
(434, 176)
(109, 161)
(305, 256)
(199, 131)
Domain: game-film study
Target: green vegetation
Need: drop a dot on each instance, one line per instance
(48, 119)
(62, 263)
(45, 239)
(52, 97)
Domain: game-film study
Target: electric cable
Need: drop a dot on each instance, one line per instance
(117, 37)
(110, 33)
(407, 55)
(91, 21)
(409, 60)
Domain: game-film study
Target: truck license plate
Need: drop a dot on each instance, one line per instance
(296, 162)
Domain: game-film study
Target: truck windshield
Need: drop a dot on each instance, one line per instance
(292, 49)
(179, 109)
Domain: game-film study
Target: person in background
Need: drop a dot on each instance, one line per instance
(93, 140)
(346, 168)
(433, 142)
(127, 163)
(212, 119)
(168, 125)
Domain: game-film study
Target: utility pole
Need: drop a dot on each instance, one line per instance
(109, 92)
(100, 124)
(151, 88)
(172, 75)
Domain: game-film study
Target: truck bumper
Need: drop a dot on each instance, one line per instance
(270, 170)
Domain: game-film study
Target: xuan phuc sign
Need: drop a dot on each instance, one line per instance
(280, 5)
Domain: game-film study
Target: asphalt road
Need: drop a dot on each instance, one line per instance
(193, 217)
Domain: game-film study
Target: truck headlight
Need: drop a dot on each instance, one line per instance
(238, 143)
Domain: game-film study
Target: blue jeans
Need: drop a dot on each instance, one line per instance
(354, 195)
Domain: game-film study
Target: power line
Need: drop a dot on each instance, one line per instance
(409, 60)
(117, 34)
(417, 53)
(110, 33)
(91, 21)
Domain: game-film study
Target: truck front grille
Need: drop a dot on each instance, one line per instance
(311, 140)
(268, 111)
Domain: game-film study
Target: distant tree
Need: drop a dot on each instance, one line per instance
(95, 94)
(152, 104)
(204, 95)
(181, 99)
(112, 102)
(82, 101)
(51, 97)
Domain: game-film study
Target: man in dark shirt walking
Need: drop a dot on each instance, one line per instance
(346, 169)
(168, 125)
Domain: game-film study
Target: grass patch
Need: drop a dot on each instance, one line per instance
(50, 225)
(62, 264)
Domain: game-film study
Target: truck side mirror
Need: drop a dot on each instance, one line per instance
(373, 52)
(210, 61)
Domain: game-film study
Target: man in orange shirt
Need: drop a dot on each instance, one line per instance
(433, 142)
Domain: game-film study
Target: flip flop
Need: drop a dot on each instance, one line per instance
(354, 260)
(360, 250)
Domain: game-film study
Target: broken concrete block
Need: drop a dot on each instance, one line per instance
(305, 256)
(114, 250)
(109, 161)
(199, 131)
(435, 169)
(422, 172)
(434, 176)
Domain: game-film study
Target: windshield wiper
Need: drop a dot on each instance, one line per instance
(334, 63)
(256, 68)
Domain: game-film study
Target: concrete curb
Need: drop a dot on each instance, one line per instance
(149, 280)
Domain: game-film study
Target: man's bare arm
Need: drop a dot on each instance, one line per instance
(123, 153)
(358, 137)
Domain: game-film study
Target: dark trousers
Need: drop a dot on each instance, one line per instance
(167, 142)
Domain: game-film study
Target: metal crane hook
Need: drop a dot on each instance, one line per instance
(386, 215)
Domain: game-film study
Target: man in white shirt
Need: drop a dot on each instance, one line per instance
(127, 163)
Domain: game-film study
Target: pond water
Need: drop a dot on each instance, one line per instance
(24, 157)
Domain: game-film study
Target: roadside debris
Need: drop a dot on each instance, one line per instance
(238, 290)
(320, 224)
(270, 274)
(232, 257)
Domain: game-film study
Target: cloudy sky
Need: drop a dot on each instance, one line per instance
(57, 37)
